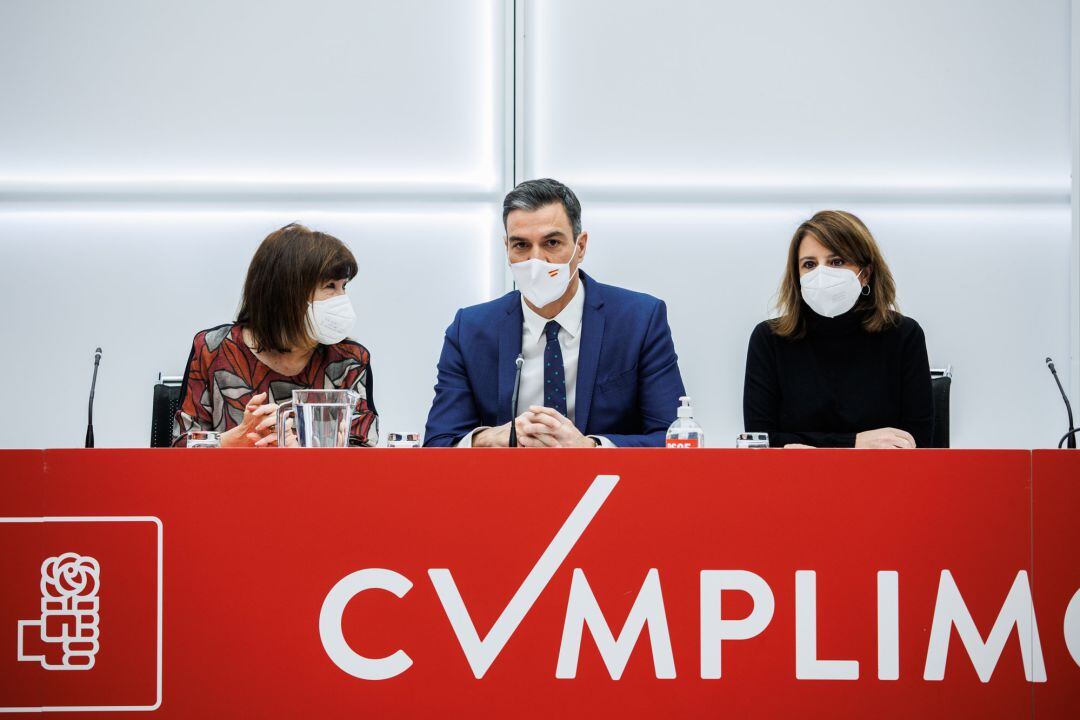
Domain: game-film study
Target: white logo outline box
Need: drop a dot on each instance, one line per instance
(160, 568)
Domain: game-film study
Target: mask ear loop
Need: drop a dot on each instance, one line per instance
(865, 288)
(576, 249)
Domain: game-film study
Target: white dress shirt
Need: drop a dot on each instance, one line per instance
(533, 343)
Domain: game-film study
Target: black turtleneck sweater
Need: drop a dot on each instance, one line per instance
(836, 381)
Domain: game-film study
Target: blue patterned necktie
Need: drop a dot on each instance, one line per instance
(554, 379)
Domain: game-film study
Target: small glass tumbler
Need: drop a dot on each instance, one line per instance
(403, 440)
(203, 439)
(752, 440)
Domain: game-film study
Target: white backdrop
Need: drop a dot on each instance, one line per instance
(146, 149)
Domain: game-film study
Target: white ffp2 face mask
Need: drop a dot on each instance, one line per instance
(830, 291)
(331, 320)
(542, 282)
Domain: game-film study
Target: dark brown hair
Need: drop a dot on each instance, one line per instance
(847, 236)
(288, 267)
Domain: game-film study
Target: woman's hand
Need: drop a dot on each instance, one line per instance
(255, 427)
(884, 438)
(267, 430)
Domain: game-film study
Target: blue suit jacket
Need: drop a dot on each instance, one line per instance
(628, 382)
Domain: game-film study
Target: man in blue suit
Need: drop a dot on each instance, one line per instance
(599, 366)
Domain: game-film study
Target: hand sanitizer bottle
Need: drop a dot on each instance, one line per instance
(684, 432)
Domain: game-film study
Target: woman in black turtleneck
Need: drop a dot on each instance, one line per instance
(840, 366)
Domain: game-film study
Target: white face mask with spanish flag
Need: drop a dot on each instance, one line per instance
(542, 282)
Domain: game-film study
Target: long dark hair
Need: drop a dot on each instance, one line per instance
(287, 268)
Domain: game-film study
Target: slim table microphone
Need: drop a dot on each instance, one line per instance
(514, 401)
(1071, 434)
(90, 410)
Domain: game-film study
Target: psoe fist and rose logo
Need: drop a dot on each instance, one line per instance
(69, 613)
(84, 594)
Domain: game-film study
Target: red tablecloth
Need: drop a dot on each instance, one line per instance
(229, 583)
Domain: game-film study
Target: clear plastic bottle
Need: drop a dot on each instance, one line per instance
(684, 432)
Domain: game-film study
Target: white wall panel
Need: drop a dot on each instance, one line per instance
(699, 134)
(244, 91)
(147, 147)
(141, 284)
(920, 93)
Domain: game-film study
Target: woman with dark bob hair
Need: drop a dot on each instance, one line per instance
(839, 366)
(290, 334)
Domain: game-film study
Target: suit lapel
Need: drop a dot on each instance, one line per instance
(509, 349)
(592, 336)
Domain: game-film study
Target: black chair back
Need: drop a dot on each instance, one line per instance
(166, 400)
(940, 385)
